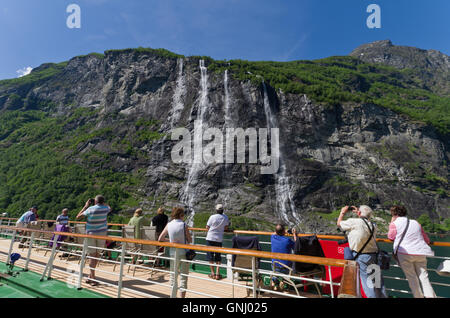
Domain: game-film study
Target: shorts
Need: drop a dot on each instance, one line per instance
(20, 224)
(211, 256)
(96, 243)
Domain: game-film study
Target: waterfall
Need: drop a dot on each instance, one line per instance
(174, 115)
(283, 191)
(228, 124)
(227, 100)
(197, 165)
(180, 90)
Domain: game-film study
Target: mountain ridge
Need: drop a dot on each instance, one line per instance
(100, 122)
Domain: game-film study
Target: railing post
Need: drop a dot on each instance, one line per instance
(331, 282)
(13, 238)
(175, 274)
(29, 251)
(229, 269)
(122, 263)
(49, 265)
(254, 276)
(83, 259)
(7, 231)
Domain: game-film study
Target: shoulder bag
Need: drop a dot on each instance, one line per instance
(383, 258)
(394, 255)
(190, 254)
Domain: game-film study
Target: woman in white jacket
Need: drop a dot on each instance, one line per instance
(412, 251)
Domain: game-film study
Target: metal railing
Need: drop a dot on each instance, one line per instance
(267, 261)
(35, 240)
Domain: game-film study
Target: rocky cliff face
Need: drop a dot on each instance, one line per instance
(330, 155)
(431, 66)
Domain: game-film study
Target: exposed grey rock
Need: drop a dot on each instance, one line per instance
(334, 156)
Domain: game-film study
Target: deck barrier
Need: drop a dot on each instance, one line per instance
(264, 257)
(35, 239)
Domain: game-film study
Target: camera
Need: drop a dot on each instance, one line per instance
(91, 201)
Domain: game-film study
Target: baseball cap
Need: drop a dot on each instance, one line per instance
(219, 207)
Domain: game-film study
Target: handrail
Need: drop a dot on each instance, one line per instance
(74, 222)
(222, 250)
(320, 236)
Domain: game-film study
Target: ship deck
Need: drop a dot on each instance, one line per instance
(63, 280)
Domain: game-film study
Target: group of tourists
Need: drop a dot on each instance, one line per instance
(410, 248)
(178, 232)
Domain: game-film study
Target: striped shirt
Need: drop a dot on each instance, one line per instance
(63, 219)
(96, 217)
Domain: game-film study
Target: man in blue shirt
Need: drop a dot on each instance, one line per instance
(24, 220)
(27, 217)
(281, 244)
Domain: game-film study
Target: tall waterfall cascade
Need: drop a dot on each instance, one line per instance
(197, 165)
(180, 91)
(285, 205)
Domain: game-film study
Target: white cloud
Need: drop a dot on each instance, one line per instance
(24, 71)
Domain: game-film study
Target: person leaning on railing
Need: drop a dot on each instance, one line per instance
(216, 225)
(412, 252)
(359, 241)
(24, 220)
(96, 217)
(27, 217)
(63, 218)
(178, 233)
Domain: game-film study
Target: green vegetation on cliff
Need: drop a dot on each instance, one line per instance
(36, 165)
(343, 79)
(59, 162)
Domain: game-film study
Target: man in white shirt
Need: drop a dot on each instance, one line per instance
(217, 224)
(364, 248)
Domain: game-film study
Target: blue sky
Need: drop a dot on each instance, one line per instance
(33, 32)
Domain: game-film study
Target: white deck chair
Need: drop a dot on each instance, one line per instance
(78, 228)
(296, 280)
(128, 232)
(148, 233)
(245, 262)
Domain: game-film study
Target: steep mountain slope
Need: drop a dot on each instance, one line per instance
(430, 67)
(351, 132)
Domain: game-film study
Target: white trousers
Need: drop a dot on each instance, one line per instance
(183, 268)
(415, 269)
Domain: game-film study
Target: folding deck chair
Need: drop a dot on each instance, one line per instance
(128, 231)
(152, 251)
(243, 263)
(305, 245)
